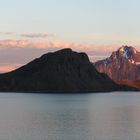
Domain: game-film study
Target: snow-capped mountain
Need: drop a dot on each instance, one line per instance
(122, 65)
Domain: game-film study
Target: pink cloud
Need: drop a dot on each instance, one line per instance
(7, 68)
(13, 43)
(91, 49)
(13, 52)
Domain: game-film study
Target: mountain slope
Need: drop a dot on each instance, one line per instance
(61, 71)
(123, 65)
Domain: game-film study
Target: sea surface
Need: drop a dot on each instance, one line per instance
(101, 116)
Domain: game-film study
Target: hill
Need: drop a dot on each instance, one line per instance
(61, 71)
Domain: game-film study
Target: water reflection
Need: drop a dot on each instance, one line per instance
(110, 116)
(116, 117)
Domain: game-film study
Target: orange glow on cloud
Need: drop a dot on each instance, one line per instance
(57, 44)
(22, 51)
(6, 68)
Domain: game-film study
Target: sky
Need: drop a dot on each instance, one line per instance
(30, 28)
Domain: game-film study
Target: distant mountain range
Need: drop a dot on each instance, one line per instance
(123, 66)
(61, 71)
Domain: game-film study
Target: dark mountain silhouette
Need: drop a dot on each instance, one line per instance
(123, 66)
(61, 71)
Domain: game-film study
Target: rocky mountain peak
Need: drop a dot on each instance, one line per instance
(123, 64)
(66, 55)
(127, 48)
(126, 53)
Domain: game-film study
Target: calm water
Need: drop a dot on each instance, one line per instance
(109, 116)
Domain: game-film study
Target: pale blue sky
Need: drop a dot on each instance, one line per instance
(90, 21)
(97, 27)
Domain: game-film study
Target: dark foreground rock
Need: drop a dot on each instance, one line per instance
(61, 71)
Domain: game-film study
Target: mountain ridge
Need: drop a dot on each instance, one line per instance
(122, 65)
(60, 71)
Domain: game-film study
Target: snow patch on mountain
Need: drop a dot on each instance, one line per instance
(132, 61)
(137, 63)
(123, 64)
(125, 54)
(135, 51)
